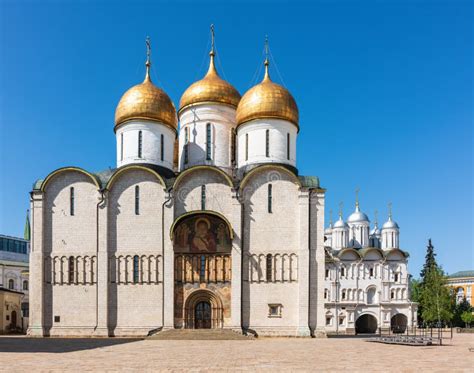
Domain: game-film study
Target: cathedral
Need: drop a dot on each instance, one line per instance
(207, 224)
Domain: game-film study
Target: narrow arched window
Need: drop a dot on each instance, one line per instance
(202, 269)
(186, 145)
(371, 272)
(232, 146)
(267, 143)
(136, 272)
(71, 201)
(121, 146)
(269, 265)
(270, 198)
(11, 284)
(246, 146)
(208, 141)
(25, 285)
(140, 144)
(343, 297)
(162, 147)
(71, 269)
(137, 200)
(288, 146)
(203, 197)
(343, 271)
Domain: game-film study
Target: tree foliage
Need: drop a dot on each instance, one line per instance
(431, 292)
(467, 317)
(459, 309)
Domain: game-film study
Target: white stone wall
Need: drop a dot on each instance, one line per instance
(73, 304)
(256, 131)
(390, 238)
(194, 120)
(356, 290)
(127, 143)
(129, 235)
(272, 233)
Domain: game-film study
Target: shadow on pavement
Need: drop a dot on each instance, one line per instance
(58, 345)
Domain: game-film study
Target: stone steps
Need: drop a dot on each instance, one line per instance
(199, 334)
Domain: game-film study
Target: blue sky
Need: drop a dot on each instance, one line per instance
(384, 88)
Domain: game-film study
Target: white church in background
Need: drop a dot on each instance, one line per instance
(206, 224)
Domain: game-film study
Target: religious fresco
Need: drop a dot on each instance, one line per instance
(202, 234)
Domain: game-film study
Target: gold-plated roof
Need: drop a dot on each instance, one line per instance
(267, 100)
(212, 88)
(146, 101)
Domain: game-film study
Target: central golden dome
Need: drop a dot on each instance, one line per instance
(146, 101)
(267, 100)
(212, 88)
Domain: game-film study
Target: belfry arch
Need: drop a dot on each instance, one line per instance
(202, 245)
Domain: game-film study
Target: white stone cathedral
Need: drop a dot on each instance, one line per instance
(206, 225)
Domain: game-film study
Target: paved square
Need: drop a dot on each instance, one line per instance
(20, 354)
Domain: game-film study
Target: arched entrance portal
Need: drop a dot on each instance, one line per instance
(203, 310)
(398, 323)
(366, 324)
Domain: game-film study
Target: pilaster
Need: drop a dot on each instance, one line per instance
(36, 294)
(303, 265)
(236, 291)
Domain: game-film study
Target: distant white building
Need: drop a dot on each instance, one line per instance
(14, 274)
(366, 277)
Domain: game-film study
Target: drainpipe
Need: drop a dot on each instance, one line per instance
(168, 198)
(102, 200)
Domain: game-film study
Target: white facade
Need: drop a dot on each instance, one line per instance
(145, 141)
(266, 141)
(229, 236)
(366, 288)
(206, 136)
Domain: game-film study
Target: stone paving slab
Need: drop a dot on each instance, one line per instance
(269, 354)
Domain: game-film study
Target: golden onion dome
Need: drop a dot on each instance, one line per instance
(211, 88)
(267, 100)
(146, 101)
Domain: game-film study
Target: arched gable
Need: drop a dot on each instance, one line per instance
(127, 168)
(259, 169)
(193, 169)
(349, 254)
(395, 254)
(373, 254)
(48, 178)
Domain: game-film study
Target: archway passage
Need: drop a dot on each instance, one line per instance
(398, 323)
(203, 310)
(366, 324)
(202, 315)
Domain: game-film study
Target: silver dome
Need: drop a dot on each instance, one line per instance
(390, 224)
(357, 216)
(340, 224)
(375, 231)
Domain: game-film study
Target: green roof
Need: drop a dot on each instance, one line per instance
(309, 181)
(462, 274)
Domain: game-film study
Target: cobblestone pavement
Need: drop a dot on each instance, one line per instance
(20, 354)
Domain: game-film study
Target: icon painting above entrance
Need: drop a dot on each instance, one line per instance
(202, 234)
